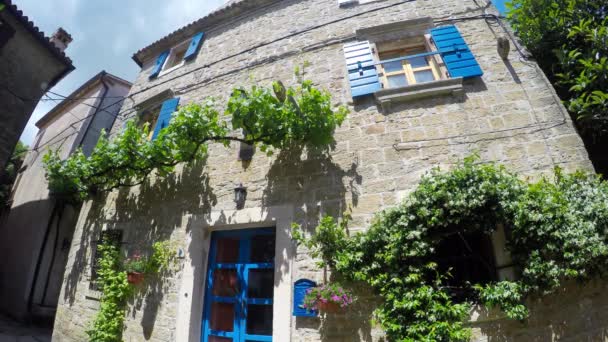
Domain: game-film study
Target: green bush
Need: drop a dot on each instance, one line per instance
(559, 231)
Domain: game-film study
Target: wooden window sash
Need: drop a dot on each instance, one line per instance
(407, 68)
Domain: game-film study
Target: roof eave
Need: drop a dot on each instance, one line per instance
(48, 117)
(230, 10)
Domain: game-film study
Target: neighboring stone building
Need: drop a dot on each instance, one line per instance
(36, 233)
(392, 136)
(30, 64)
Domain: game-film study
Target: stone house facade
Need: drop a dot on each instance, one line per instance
(30, 64)
(406, 117)
(36, 231)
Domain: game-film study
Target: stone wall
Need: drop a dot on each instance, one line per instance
(510, 115)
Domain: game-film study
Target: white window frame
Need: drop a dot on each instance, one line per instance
(170, 59)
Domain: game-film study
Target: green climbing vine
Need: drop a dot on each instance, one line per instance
(558, 231)
(273, 117)
(116, 290)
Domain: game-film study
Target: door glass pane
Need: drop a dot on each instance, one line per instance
(227, 250)
(260, 284)
(424, 76)
(418, 62)
(225, 283)
(219, 339)
(262, 248)
(222, 317)
(259, 319)
(392, 66)
(396, 81)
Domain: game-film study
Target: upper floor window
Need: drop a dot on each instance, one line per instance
(149, 116)
(177, 56)
(407, 62)
(157, 112)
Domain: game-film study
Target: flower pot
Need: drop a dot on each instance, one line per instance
(329, 307)
(135, 277)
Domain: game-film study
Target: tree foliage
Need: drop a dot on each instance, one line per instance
(9, 174)
(569, 39)
(272, 118)
(559, 231)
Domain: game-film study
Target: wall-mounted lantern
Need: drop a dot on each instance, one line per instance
(240, 195)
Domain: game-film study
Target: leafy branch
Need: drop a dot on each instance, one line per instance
(569, 39)
(273, 118)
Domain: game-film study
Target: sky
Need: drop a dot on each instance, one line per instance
(106, 34)
(500, 4)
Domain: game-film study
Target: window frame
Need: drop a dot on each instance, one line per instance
(172, 56)
(155, 108)
(435, 63)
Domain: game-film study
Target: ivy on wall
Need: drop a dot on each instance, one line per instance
(559, 231)
(116, 290)
(273, 117)
(108, 324)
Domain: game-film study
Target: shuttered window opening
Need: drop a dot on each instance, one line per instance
(164, 117)
(177, 56)
(149, 116)
(420, 67)
(442, 53)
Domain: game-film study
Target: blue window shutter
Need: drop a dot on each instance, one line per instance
(362, 73)
(299, 292)
(160, 60)
(166, 111)
(195, 43)
(455, 52)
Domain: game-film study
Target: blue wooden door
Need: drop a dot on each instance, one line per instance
(240, 286)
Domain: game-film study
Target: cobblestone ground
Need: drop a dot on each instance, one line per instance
(13, 331)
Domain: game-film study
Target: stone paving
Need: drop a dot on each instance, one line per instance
(13, 331)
